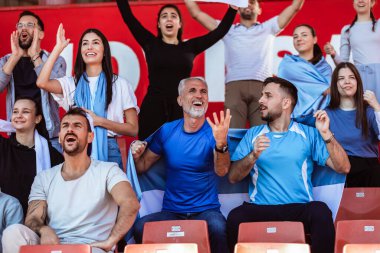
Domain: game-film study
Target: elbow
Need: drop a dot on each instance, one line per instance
(232, 179)
(40, 84)
(346, 167)
(223, 172)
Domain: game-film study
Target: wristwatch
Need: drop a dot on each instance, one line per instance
(224, 149)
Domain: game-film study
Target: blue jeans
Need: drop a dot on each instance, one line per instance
(216, 224)
(114, 154)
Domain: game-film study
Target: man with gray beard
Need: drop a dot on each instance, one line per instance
(19, 71)
(195, 153)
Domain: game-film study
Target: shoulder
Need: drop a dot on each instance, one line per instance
(344, 29)
(8, 199)
(5, 57)
(255, 131)
(121, 82)
(49, 173)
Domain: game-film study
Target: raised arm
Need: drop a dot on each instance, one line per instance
(220, 130)
(36, 219)
(241, 168)
(287, 15)
(124, 196)
(43, 80)
(202, 43)
(202, 17)
(143, 157)
(338, 159)
(141, 34)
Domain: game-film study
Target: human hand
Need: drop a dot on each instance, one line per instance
(17, 51)
(370, 97)
(104, 245)
(261, 143)
(62, 42)
(329, 49)
(48, 236)
(138, 148)
(322, 122)
(95, 118)
(34, 47)
(220, 128)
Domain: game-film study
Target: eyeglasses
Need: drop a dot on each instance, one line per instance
(29, 25)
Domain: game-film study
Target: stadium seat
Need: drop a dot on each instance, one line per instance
(359, 204)
(62, 248)
(178, 231)
(356, 231)
(361, 248)
(270, 247)
(273, 231)
(162, 248)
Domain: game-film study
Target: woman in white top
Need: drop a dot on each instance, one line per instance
(108, 98)
(362, 38)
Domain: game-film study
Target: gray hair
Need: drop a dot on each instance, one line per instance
(182, 83)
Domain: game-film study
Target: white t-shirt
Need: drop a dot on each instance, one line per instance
(123, 97)
(362, 41)
(249, 51)
(80, 210)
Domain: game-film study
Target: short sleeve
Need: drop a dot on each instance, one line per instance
(244, 147)
(129, 99)
(37, 192)
(115, 176)
(272, 26)
(319, 150)
(155, 144)
(66, 99)
(13, 212)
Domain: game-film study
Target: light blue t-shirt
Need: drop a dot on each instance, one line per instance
(191, 182)
(10, 213)
(282, 174)
(342, 124)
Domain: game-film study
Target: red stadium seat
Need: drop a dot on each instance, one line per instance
(178, 231)
(359, 204)
(162, 248)
(361, 248)
(62, 248)
(276, 231)
(356, 231)
(270, 247)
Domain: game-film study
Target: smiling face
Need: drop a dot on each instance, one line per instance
(74, 134)
(92, 49)
(363, 6)
(347, 83)
(194, 98)
(24, 116)
(169, 22)
(303, 40)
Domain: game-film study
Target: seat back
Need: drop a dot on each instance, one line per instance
(178, 231)
(270, 247)
(61, 248)
(356, 231)
(361, 248)
(276, 231)
(162, 248)
(359, 204)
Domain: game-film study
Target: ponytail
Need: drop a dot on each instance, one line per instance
(373, 21)
(317, 54)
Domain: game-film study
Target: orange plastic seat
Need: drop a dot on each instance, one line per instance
(62, 248)
(361, 248)
(271, 247)
(359, 204)
(356, 232)
(162, 248)
(276, 231)
(178, 231)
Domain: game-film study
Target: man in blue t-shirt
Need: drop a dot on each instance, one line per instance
(188, 146)
(278, 157)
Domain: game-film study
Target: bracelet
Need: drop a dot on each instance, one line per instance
(36, 58)
(38, 53)
(329, 139)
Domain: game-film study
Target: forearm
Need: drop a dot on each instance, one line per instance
(337, 154)
(44, 76)
(59, 68)
(222, 163)
(240, 169)
(128, 128)
(287, 15)
(10, 64)
(125, 219)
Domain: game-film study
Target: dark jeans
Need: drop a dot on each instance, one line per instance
(315, 216)
(216, 224)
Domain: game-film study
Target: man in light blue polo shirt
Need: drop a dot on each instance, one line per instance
(279, 157)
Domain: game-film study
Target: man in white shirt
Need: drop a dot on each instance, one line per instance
(248, 54)
(81, 201)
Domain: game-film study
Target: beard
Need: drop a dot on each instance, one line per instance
(73, 149)
(246, 16)
(195, 113)
(269, 117)
(25, 44)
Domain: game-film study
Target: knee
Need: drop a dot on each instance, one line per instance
(12, 231)
(320, 212)
(217, 224)
(235, 217)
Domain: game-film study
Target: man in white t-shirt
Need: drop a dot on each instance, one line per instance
(248, 56)
(81, 201)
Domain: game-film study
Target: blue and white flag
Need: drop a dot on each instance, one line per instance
(150, 186)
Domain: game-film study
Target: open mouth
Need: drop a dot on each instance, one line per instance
(197, 103)
(90, 54)
(262, 108)
(24, 36)
(169, 26)
(70, 138)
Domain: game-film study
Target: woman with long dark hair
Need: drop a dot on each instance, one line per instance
(354, 114)
(309, 72)
(26, 152)
(169, 61)
(361, 38)
(108, 98)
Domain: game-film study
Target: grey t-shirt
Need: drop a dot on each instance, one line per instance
(80, 210)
